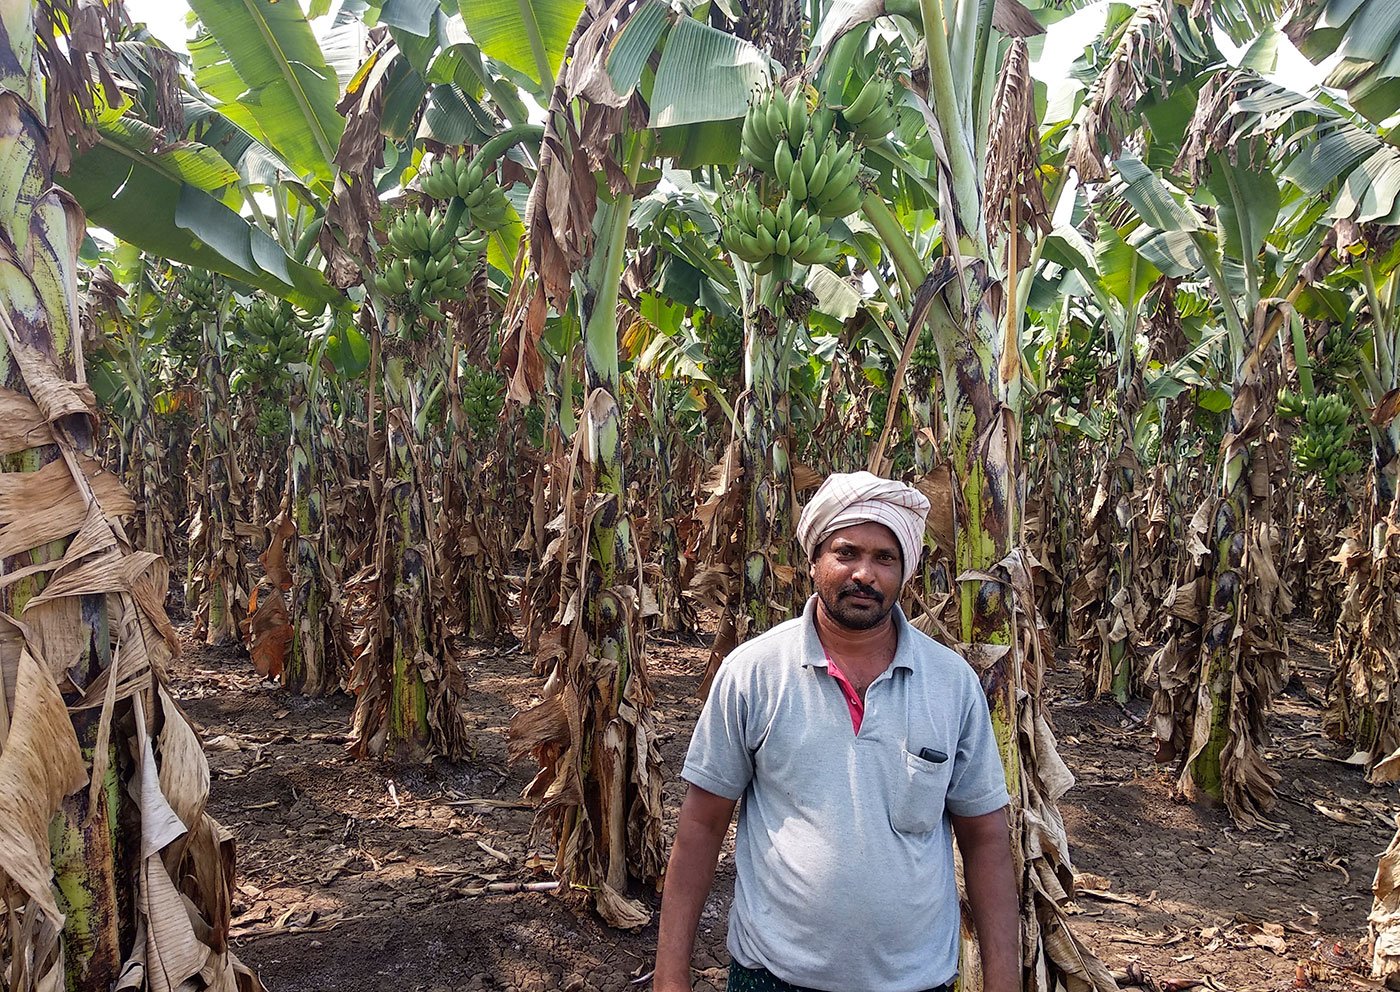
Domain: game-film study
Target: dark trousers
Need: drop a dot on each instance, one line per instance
(743, 979)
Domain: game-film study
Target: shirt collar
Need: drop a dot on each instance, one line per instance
(814, 655)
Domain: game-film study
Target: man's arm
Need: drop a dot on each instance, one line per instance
(990, 879)
(700, 831)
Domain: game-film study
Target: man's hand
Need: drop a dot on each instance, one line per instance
(988, 873)
(700, 831)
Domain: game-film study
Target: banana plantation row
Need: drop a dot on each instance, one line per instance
(536, 320)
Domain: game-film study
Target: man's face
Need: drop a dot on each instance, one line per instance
(857, 574)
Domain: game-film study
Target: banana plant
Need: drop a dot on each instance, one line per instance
(600, 784)
(961, 273)
(97, 844)
(1364, 369)
(1225, 648)
(1334, 161)
(1106, 598)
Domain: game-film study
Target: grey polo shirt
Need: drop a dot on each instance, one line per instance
(844, 853)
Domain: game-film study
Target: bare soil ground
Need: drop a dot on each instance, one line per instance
(356, 876)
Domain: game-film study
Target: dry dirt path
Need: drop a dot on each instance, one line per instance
(356, 877)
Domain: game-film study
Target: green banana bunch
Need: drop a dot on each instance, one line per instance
(879, 405)
(778, 120)
(487, 205)
(724, 347)
(1328, 412)
(803, 153)
(270, 336)
(409, 232)
(1339, 353)
(925, 353)
(765, 128)
(483, 398)
(393, 279)
(871, 115)
(443, 177)
(274, 422)
(198, 288)
(491, 210)
(745, 230)
(1323, 445)
(430, 260)
(837, 193)
(1290, 405)
(821, 173)
(760, 234)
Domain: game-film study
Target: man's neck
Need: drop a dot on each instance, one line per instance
(873, 647)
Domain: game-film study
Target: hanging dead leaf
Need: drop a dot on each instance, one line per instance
(1387, 409)
(266, 630)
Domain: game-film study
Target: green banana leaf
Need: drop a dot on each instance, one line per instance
(705, 75)
(1123, 273)
(1151, 198)
(261, 60)
(528, 35)
(1367, 35)
(166, 203)
(1248, 206)
(1321, 144)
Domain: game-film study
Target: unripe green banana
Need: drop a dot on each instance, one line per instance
(866, 100)
(422, 233)
(438, 235)
(797, 117)
(775, 117)
(797, 183)
(783, 163)
(797, 226)
(844, 204)
(767, 240)
(818, 251)
(878, 125)
(758, 143)
(820, 172)
(807, 157)
(464, 181)
(750, 249)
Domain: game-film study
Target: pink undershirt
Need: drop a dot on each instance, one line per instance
(853, 701)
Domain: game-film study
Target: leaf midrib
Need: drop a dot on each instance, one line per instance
(285, 68)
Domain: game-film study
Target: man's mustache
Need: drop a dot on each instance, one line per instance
(861, 589)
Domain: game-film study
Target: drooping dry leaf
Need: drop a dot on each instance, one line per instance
(22, 426)
(113, 572)
(40, 763)
(37, 508)
(53, 394)
(274, 559)
(1384, 919)
(267, 632)
(1387, 409)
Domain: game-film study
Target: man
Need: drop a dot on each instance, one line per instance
(855, 743)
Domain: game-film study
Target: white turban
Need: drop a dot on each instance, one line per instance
(847, 499)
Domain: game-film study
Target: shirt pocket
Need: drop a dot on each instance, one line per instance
(919, 794)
